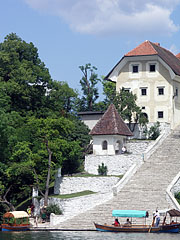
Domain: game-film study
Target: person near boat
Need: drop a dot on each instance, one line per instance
(116, 222)
(157, 218)
(128, 223)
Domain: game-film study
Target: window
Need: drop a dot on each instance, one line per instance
(104, 145)
(135, 69)
(176, 93)
(145, 115)
(160, 114)
(160, 90)
(143, 91)
(152, 67)
(143, 107)
(127, 89)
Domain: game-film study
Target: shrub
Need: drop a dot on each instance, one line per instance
(102, 170)
(154, 131)
(53, 208)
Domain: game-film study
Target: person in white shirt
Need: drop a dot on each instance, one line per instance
(157, 218)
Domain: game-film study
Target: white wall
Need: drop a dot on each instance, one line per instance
(111, 140)
(68, 185)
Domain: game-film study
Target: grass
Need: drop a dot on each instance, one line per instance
(73, 195)
(91, 175)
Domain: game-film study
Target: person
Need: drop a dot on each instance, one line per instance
(157, 218)
(124, 150)
(36, 220)
(32, 209)
(116, 222)
(128, 223)
(29, 211)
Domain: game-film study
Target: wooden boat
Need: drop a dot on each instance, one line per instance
(15, 221)
(165, 228)
(173, 226)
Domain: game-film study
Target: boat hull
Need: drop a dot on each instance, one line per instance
(139, 228)
(8, 228)
(170, 228)
(133, 228)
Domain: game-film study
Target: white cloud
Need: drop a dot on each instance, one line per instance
(112, 16)
(174, 49)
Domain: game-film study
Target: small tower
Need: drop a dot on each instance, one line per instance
(110, 133)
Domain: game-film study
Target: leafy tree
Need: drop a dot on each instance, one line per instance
(88, 85)
(125, 103)
(25, 78)
(38, 127)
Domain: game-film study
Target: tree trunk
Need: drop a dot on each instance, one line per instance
(48, 175)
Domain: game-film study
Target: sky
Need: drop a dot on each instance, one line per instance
(71, 33)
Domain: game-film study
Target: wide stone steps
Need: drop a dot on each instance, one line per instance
(146, 190)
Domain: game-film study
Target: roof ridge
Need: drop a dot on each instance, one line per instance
(115, 120)
(151, 44)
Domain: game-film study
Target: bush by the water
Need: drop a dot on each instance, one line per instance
(53, 208)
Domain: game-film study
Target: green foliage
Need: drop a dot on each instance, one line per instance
(73, 195)
(177, 196)
(102, 170)
(88, 86)
(53, 208)
(154, 131)
(34, 111)
(125, 103)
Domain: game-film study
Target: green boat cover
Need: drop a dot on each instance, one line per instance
(129, 213)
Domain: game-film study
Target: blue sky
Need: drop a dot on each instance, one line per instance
(70, 33)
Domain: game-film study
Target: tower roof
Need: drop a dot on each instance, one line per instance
(111, 124)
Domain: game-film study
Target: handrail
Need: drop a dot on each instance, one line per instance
(169, 193)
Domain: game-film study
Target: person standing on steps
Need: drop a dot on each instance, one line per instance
(157, 218)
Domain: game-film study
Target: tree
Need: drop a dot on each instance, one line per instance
(25, 78)
(39, 129)
(88, 85)
(125, 103)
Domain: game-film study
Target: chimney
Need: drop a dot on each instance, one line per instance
(158, 44)
(178, 56)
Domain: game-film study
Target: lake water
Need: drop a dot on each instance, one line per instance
(86, 236)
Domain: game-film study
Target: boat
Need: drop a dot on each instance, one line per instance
(173, 225)
(134, 227)
(15, 221)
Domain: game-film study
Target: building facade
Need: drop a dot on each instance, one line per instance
(153, 74)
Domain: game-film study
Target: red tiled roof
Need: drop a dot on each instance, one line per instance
(144, 48)
(111, 124)
(148, 48)
(178, 55)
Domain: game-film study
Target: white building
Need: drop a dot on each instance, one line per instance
(153, 74)
(110, 133)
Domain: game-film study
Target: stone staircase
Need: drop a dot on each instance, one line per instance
(146, 190)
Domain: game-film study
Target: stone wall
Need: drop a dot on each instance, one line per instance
(118, 164)
(74, 206)
(68, 185)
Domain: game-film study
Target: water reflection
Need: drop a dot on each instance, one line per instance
(85, 236)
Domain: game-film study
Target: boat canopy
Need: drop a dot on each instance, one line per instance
(129, 213)
(16, 214)
(174, 213)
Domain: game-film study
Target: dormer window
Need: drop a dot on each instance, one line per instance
(135, 68)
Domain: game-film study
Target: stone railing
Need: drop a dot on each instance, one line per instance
(171, 190)
(152, 148)
(116, 188)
